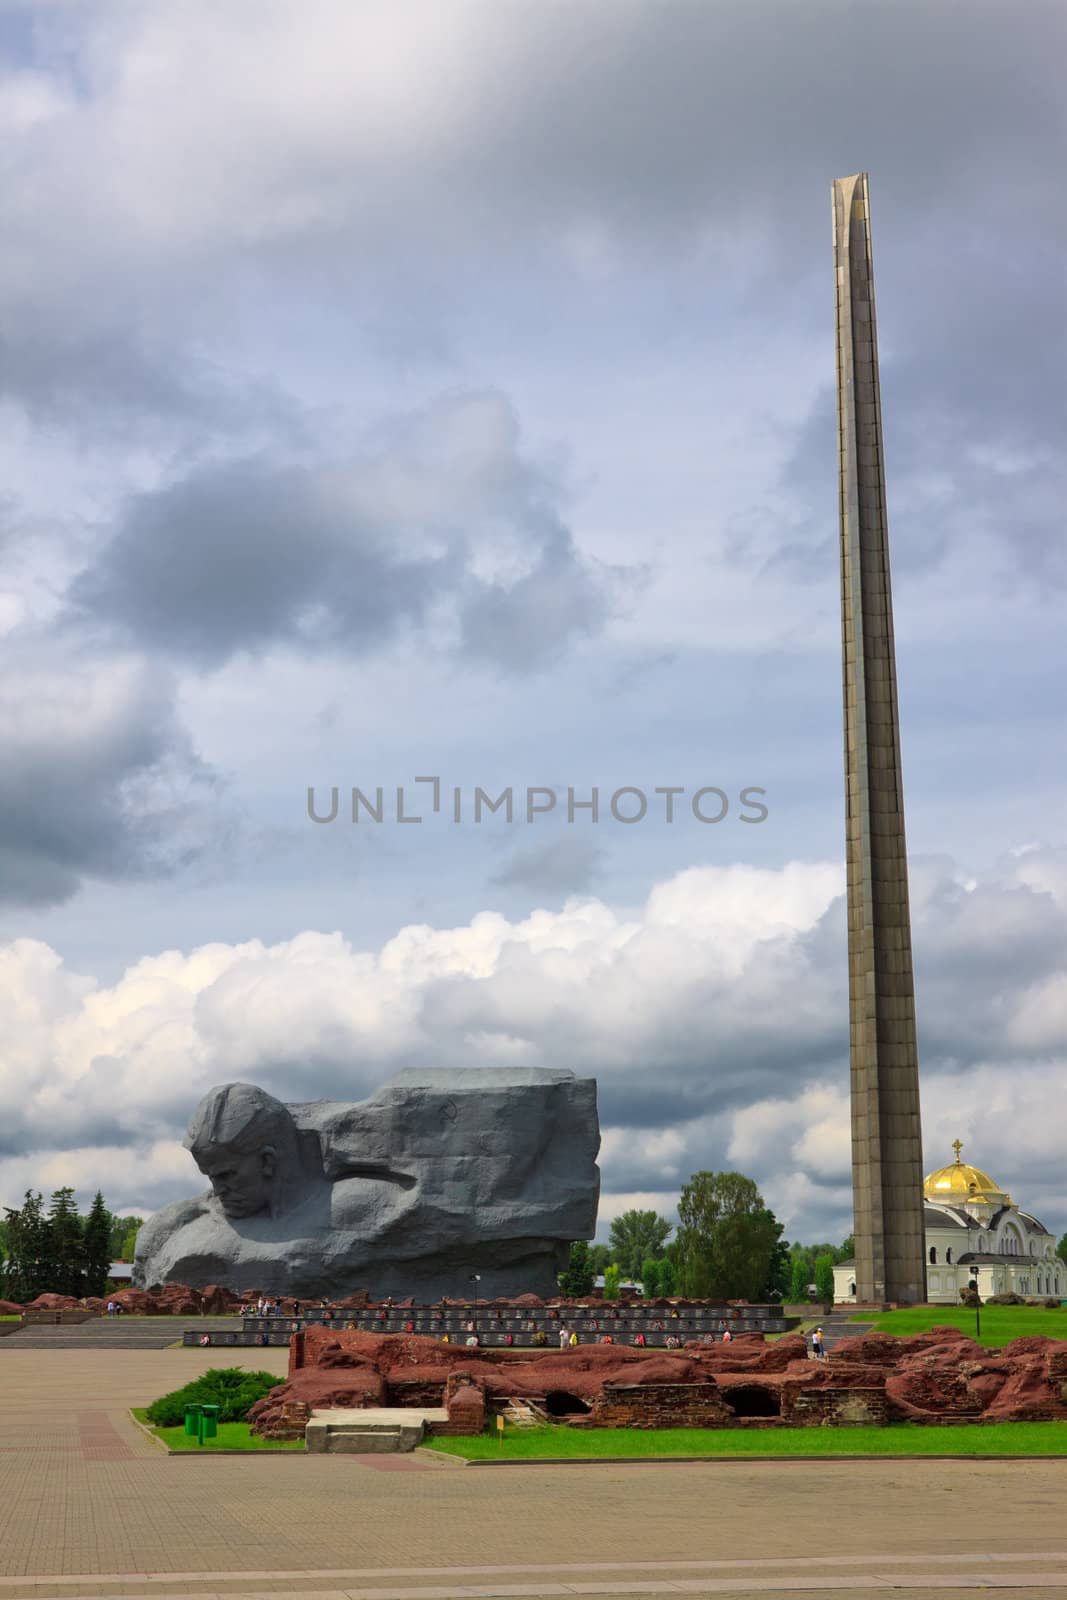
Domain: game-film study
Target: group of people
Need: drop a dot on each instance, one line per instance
(114, 1308)
(265, 1307)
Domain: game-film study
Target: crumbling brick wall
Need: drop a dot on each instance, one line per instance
(661, 1405)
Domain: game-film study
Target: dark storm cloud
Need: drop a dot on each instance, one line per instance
(663, 123)
(246, 556)
(96, 379)
(97, 779)
(973, 397)
(241, 556)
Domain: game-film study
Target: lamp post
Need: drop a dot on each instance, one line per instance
(977, 1309)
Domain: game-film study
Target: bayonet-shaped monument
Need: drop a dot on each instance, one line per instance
(887, 1169)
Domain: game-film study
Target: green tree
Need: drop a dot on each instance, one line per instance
(599, 1259)
(668, 1277)
(824, 1278)
(846, 1250)
(122, 1230)
(67, 1244)
(779, 1269)
(635, 1237)
(1061, 1248)
(799, 1279)
(96, 1247)
(726, 1237)
(650, 1278)
(30, 1266)
(612, 1278)
(577, 1278)
(129, 1241)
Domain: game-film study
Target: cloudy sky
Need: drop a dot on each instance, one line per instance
(397, 391)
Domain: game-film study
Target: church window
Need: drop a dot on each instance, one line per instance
(948, 1255)
(933, 1255)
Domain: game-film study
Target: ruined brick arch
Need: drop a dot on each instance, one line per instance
(753, 1400)
(558, 1403)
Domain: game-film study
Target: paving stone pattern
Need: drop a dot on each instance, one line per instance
(91, 1507)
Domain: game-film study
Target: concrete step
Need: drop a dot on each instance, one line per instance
(835, 1329)
(111, 1333)
(520, 1414)
(29, 1341)
(373, 1431)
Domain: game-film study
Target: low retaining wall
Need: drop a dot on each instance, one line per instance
(57, 1318)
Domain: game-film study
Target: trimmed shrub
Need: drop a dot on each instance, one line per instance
(232, 1389)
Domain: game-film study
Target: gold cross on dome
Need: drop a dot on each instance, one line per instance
(957, 1146)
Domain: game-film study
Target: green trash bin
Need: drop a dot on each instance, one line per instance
(209, 1422)
(192, 1420)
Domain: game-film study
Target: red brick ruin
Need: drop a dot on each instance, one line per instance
(940, 1376)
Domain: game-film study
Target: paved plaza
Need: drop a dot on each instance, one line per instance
(89, 1506)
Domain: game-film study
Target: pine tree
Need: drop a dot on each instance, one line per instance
(96, 1247)
(577, 1278)
(30, 1264)
(67, 1244)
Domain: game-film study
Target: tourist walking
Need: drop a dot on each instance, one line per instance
(564, 1336)
(817, 1345)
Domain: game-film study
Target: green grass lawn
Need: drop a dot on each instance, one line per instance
(898, 1438)
(999, 1323)
(231, 1436)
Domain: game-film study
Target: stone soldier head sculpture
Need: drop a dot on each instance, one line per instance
(245, 1142)
(436, 1177)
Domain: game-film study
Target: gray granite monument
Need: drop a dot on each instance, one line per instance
(435, 1178)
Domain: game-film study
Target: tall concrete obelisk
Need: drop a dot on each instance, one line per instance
(887, 1171)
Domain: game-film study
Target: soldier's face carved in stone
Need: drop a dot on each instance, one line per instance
(241, 1182)
(245, 1142)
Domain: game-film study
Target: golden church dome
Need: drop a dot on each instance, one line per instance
(958, 1183)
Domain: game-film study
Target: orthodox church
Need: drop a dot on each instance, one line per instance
(974, 1230)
